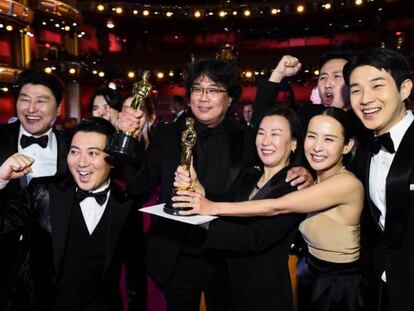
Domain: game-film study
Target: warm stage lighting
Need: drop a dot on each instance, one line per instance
(131, 74)
(300, 8)
(101, 74)
(72, 71)
(197, 14)
(160, 75)
(119, 10)
(247, 13)
(248, 74)
(48, 70)
(110, 24)
(316, 72)
(171, 73)
(358, 2)
(275, 11)
(100, 7)
(234, 13)
(9, 27)
(67, 28)
(135, 12)
(145, 12)
(169, 14)
(222, 13)
(327, 6)
(95, 72)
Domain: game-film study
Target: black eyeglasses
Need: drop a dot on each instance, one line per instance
(211, 91)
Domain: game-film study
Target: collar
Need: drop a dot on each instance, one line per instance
(103, 187)
(397, 131)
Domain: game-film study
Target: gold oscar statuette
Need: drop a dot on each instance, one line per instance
(124, 144)
(188, 140)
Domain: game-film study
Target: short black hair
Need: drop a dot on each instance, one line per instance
(111, 96)
(295, 126)
(95, 125)
(381, 58)
(179, 100)
(335, 54)
(218, 70)
(39, 77)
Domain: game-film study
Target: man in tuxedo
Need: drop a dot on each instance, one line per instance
(177, 257)
(81, 229)
(178, 108)
(380, 84)
(247, 115)
(38, 103)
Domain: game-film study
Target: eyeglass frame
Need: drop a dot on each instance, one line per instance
(207, 90)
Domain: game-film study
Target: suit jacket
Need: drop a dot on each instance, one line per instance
(14, 241)
(47, 222)
(392, 250)
(257, 248)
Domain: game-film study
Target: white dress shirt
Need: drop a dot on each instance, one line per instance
(45, 163)
(92, 212)
(380, 166)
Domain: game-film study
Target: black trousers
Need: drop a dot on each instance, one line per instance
(192, 276)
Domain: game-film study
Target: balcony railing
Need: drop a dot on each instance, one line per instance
(16, 10)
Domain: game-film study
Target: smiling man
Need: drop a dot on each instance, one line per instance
(37, 105)
(380, 84)
(82, 230)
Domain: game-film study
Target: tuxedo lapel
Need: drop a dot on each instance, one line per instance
(62, 152)
(237, 149)
(397, 189)
(375, 212)
(61, 203)
(117, 215)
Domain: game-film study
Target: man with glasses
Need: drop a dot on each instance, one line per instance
(177, 258)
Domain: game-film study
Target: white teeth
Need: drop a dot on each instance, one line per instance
(318, 158)
(372, 110)
(84, 173)
(33, 118)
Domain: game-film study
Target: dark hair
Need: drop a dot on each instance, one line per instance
(335, 54)
(381, 58)
(218, 70)
(343, 118)
(95, 125)
(295, 126)
(112, 98)
(39, 77)
(148, 105)
(179, 100)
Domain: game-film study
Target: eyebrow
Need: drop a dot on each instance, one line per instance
(210, 85)
(273, 129)
(40, 96)
(372, 80)
(89, 148)
(326, 135)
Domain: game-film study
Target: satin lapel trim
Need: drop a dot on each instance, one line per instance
(61, 204)
(397, 189)
(237, 152)
(117, 215)
(375, 213)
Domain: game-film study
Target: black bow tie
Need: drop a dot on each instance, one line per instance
(383, 141)
(100, 197)
(26, 141)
